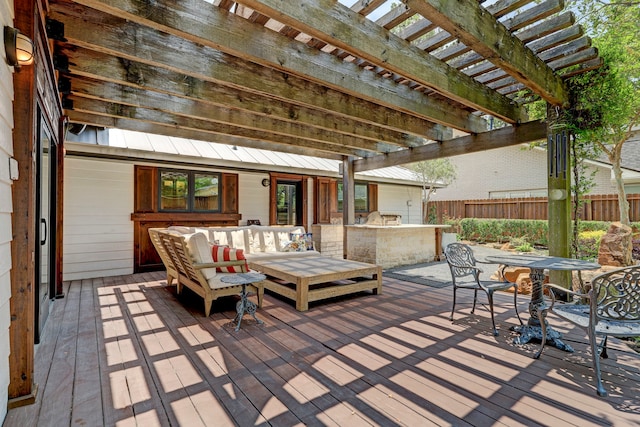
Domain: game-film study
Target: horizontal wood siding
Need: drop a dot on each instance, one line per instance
(393, 199)
(253, 199)
(98, 232)
(6, 207)
(598, 207)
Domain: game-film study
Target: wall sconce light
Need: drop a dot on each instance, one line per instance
(18, 47)
(266, 182)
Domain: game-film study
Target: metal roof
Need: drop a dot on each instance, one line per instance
(118, 143)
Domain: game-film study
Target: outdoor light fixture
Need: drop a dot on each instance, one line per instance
(17, 47)
(266, 182)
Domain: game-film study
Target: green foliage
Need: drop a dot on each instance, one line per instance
(502, 230)
(537, 110)
(454, 223)
(525, 247)
(519, 231)
(605, 102)
(432, 216)
(518, 241)
(433, 172)
(589, 244)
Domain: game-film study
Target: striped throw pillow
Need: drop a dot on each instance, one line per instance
(225, 253)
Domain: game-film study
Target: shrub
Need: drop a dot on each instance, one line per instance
(534, 232)
(635, 252)
(502, 230)
(525, 247)
(454, 223)
(589, 244)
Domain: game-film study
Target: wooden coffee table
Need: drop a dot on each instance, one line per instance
(313, 278)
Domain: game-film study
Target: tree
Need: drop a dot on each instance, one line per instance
(605, 104)
(430, 172)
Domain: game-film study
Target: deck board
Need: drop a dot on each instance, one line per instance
(127, 351)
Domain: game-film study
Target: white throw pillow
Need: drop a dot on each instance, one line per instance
(200, 251)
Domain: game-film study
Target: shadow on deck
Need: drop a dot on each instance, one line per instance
(125, 351)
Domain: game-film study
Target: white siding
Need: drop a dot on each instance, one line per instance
(510, 169)
(98, 231)
(6, 207)
(253, 198)
(394, 198)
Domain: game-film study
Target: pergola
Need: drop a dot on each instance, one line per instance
(314, 77)
(318, 77)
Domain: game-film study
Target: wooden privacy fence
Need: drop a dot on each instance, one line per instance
(601, 207)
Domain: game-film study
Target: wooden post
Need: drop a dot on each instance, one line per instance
(559, 186)
(59, 197)
(23, 281)
(348, 199)
(348, 192)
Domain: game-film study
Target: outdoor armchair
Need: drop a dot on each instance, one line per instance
(612, 308)
(466, 275)
(192, 258)
(172, 272)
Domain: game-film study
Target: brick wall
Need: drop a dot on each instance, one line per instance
(328, 239)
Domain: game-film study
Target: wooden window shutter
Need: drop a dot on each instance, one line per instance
(145, 189)
(229, 193)
(326, 200)
(373, 197)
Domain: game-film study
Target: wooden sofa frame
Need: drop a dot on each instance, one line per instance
(172, 272)
(179, 261)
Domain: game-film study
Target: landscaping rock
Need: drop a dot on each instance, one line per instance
(519, 275)
(507, 247)
(615, 246)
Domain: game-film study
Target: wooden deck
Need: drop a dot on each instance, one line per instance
(124, 351)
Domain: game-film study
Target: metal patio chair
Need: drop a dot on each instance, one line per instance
(466, 275)
(612, 308)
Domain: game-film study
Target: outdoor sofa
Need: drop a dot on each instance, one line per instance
(258, 242)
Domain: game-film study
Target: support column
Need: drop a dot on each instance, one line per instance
(22, 390)
(348, 192)
(348, 199)
(559, 187)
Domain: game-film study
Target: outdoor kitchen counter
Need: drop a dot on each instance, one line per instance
(394, 245)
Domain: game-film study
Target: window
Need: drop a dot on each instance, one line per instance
(188, 191)
(361, 199)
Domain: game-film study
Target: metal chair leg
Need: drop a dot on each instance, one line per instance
(475, 300)
(493, 321)
(515, 302)
(453, 308)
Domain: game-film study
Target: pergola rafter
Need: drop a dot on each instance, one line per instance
(318, 76)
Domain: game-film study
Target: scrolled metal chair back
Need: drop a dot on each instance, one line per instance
(460, 259)
(617, 294)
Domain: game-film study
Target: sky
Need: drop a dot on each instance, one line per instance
(377, 13)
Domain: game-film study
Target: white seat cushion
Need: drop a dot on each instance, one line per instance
(200, 250)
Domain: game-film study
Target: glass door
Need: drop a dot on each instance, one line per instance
(45, 223)
(288, 204)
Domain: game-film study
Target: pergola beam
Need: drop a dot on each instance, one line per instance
(503, 137)
(332, 22)
(201, 136)
(101, 67)
(178, 23)
(222, 117)
(478, 29)
(118, 110)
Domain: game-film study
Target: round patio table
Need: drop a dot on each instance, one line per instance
(538, 264)
(245, 305)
